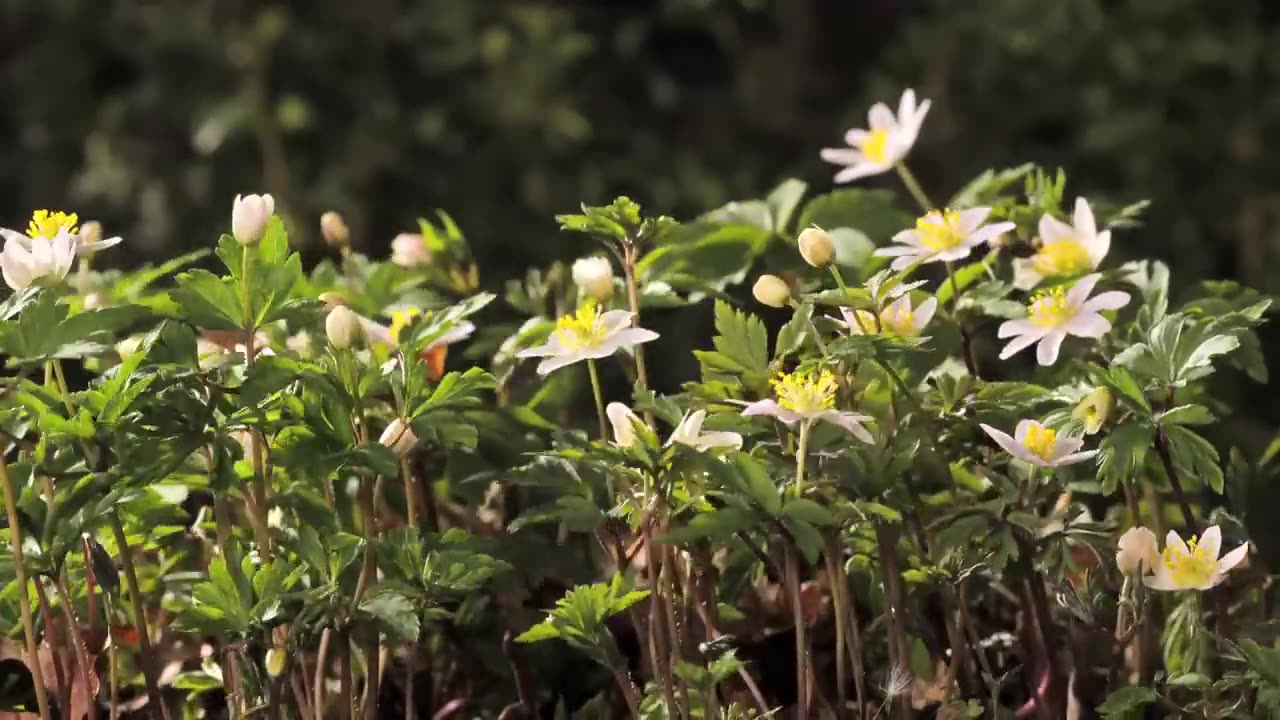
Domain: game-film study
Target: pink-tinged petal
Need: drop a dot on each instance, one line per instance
(1023, 428)
(763, 407)
(880, 116)
(1065, 446)
(1081, 290)
(907, 104)
(624, 423)
(1087, 324)
(985, 233)
(14, 235)
(860, 170)
(911, 127)
(1020, 343)
(555, 362)
(1074, 458)
(924, 313)
(630, 336)
(1097, 247)
(1050, 344)
(1232, 559)
(855, 137)
(16, 273)
(1003, 439)
(41, 256)
(908, 237)
(1025, 275)
(896, 250)
(1173, 540)
(851, 422)
(842, 156)
(1110, 300)
(720, 439)
(898, 306)
(1054, 230)
(907, 261)
(64, 254)
(614, 320)
(1083, 218)
(972, 218)
(1160, 581)
(958, 252)
(1211, 541)
(551, 348)
(1022, 326)
(457, 333)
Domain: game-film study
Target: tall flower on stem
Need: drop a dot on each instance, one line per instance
(1041, 446)
(1065, 250)
(1055, 314)
(806, 396)
(942, 236)
(1194, 565)
(45, 253)
(587, 334)
(898, 318)
(886, 141)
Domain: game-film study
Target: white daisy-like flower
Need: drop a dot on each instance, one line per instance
(1194, 565)
(1065, 250)
(587, 335)
(1137, 551)
(688, 432)
(809, 396)
(942, 236)
(1039, 445)
(1055, 314)
(899, 318)
(46, 252)
(887, 139)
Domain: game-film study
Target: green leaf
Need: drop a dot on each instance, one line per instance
(871, 211)
(394, 613)
(1126, 699)
(716, 525)
(793, 336)
(782, 203)
(542, 631)
(1121, 380)
(758, 483)
(1186, 415)
(1194, 456)
(808, 511)
(1122, 452)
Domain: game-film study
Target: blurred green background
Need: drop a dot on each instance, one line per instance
(151, 115)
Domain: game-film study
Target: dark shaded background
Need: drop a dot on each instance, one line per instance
(152, 115)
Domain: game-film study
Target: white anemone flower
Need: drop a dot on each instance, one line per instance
(885, 142)
(809, 396)
(898, 318)
(1137, 551)
(50, 224)
(1041, 446)
(689, 432)
(47, 250)
(1194, 565)
(1065, 250)
(942, 236)
(1055, 314)
(587, 335)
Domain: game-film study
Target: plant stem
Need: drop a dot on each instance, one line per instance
(113, 661)
(24, 598)
(322, 662)
(913, 187)
(887, 542)
(146, 656)
(830, 555)
(599, 395)
(802, 449)
(222, 519)
(629, 252)
(260, 510)
(667, 598)
(77, 646)
(792, 564)
(1046, 698)
(660, 661)
(628, 689)
(988, 675)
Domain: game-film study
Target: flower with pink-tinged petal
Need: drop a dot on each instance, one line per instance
(1055, 314)
(942, 236)
(1065, 250)
(808, 396)
(886, 141)
(588, 335)
(1194, 565)
(1041, 446)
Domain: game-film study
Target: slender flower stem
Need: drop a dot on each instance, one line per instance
(887, 541)
(24, 597)
(599, 395)
(113, 662)
(629, 253)
(146, 655)
(259, 491)
(802, 449)
(77, 646)
(797, 614)
(913, 187)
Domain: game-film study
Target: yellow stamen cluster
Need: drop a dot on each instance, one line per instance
(1065, 257)
(1041, 441)
(899, 320)
(875, 146)
(1049, 309)
(581, 329)
(46, 224)
(1190, 569)
(400, 319)
(940, 230)
(806, 392)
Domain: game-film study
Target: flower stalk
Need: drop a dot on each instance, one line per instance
(24, 597)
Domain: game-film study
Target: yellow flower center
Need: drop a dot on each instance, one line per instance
(875, 146)
(1049, 309)
(46, 224)
(1041, 441)
(806, 392)
(899, 321)
(580, 330)
(1066, 257)
(939, 230)
(400, 319)
(1190, 569)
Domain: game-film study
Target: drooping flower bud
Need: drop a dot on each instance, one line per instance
(816, 247)
(624, 423)
(335, 231)
(771, 290)
(594, 277)
(399, 437)
(1137, 548)
(1094, 410)
(332, 299)
(342, 327)
(90, 233)
(249, 217)
(410, 250)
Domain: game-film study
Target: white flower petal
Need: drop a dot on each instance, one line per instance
(1050, 344)
(1010, 328)
(880, 116)
(1064, 446)
(924, 313)
(614, 320)
(1020, 342)
(1174, 541)
(860, 170)
(1232, 559)
(1110, 300)
(623, 421)
(852, 422)
(1004, 439)
(896, 250)
(987, 232)
(629, 337)
(1083, 219)
(842, 156)
(972, 218)
(1081, 290)
(1211, 542)
(1074, 458)
(1025, 275)
(555, 362)
(1054, 230)
(1088, 325)
(855, 137)
(1160, 581)
(1097, 247)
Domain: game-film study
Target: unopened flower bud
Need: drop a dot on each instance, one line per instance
(399, 437)
(1137, 548)
(772, 290)
(410, 250)
(1094, 410)
(249, 217)
(90, 233)
(275, 661)
(332, 300)
(816, 247)
(594, 277)
(334, 229)
(342, 327)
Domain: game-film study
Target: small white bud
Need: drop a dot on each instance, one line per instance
(249, 217)
(342, 327)
(594, 277)
(399, 437)
(410, 250)
(334, 229)
(771, 290)
(1136, 550)
(816, 247)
